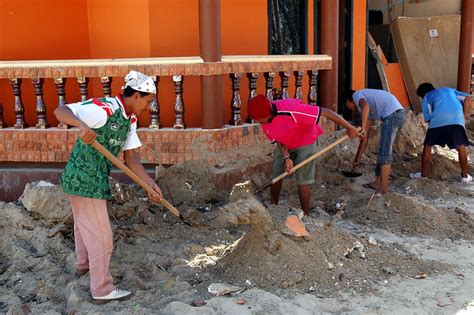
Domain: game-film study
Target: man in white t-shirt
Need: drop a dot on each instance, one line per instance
(377, 105)
(113, 123)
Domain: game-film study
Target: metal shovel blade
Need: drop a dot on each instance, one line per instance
(351, 173)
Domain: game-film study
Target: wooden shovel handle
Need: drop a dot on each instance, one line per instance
(303, 163)
(133, 176)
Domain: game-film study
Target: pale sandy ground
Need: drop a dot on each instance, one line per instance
(443, 294)
(51, 262)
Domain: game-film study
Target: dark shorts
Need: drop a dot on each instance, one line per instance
(304, 175)
(451, 135)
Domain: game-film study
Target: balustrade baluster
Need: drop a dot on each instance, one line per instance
(40, 106)
(18, 107)
(269, 84)
(299, 84)
(179, 103)
(106, 86)
(236, 118)
(61, 91)
(83, 87)
(313, 90)
(155, 107)
(253, 77)
(2, 122)
(285, 76)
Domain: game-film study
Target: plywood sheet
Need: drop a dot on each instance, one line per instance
(427, 50)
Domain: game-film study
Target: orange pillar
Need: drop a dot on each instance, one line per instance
(210, 50)
(329, 46)
(465, 47)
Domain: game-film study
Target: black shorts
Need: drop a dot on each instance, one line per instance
(451, 135)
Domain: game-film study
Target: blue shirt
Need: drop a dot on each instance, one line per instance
(443, 107)
(381, 103)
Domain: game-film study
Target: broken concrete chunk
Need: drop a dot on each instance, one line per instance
(47, 202)
(373, 241)
(221, 289)
(357, 246)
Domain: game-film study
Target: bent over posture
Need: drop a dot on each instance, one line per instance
(377, 105)
(445, 109)
(113, 122)
(295, 127)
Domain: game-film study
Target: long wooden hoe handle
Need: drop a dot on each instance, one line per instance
(300, 165)
(133, 176)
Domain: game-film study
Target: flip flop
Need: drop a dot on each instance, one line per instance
(369, 186)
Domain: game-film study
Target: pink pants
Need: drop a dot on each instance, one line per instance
(93, 239)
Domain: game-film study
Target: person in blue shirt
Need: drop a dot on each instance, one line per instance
(445, 110)
(377, 105)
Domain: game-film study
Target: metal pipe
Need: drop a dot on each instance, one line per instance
(465, 47)
(210, 51)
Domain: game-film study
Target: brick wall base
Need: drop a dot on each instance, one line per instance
(34, 154)
(168, 146)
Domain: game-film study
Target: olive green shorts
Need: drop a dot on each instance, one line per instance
(304, 175)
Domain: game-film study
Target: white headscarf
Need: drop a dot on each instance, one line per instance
(139, 82)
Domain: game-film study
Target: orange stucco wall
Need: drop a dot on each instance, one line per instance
(46, 29)
(82, 29)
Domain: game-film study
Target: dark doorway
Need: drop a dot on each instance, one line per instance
(345, 55)
(287, 27)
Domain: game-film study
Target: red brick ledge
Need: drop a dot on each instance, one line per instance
(170, 146)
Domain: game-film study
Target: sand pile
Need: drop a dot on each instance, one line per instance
(329, 262)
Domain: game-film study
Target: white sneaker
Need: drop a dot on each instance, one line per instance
(467, 179)
(116, 294)
(416, 175)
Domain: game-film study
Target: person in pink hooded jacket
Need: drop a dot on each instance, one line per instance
(294, 126)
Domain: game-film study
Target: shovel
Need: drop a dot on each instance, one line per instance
(300, 165)
(133, 176)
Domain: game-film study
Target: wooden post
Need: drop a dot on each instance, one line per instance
(269, 84)
(106, 86)
(83, 87)
(465, 47)
(235, 103)
(155, 108)
(179, 103)
(298, 84)
(61, 91)
(313, 88)
(330, 46)
(210, 50)
(40, 106)
(18, 107)
(285, 76)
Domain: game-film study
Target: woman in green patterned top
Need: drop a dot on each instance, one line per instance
(113, 123)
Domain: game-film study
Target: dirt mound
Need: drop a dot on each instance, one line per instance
(404, 215)
(412, 135)
(329, 262)
(444, 165)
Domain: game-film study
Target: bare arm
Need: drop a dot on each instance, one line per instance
(66, 115)
(467, 106)
(132, 160)
(285, 152)
(365, 110)
(363, 144)
(329, 114)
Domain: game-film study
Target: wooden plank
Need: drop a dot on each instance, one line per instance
(428, 50)
(377, 53)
